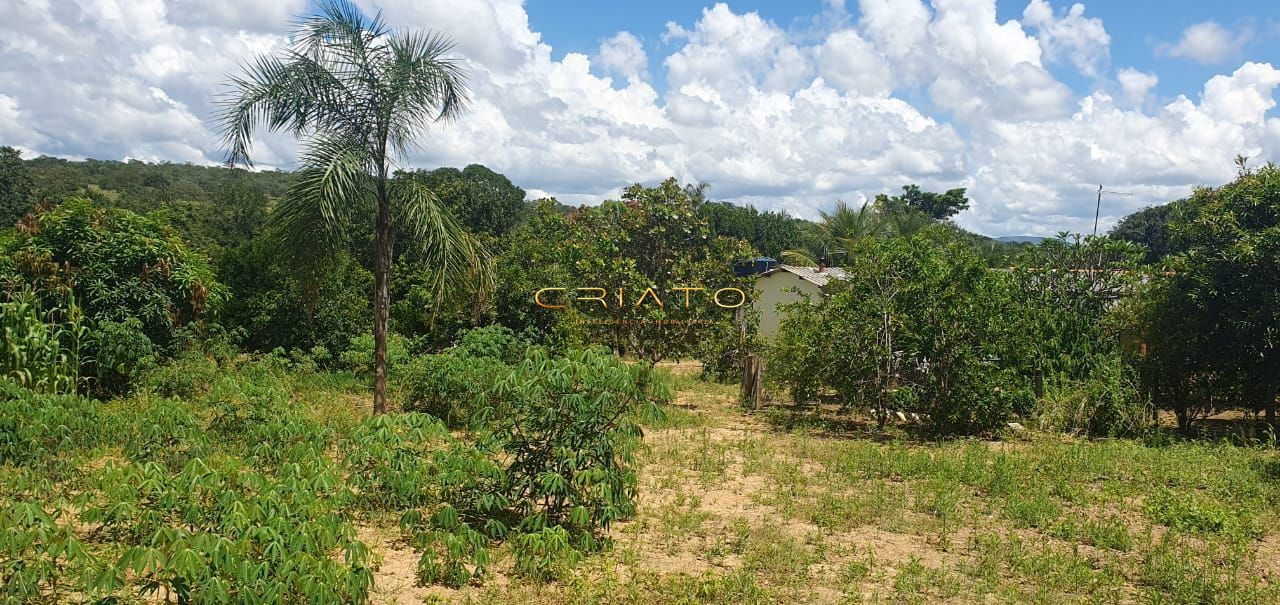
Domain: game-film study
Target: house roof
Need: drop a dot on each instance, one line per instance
(811, 274)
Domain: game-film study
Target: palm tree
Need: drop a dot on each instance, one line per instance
(359, 96)
(838, 233)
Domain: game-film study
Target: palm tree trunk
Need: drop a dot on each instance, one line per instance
(381, 300)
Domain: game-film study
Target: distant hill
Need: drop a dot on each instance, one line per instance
(1021, 239)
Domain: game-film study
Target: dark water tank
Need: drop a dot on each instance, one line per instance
(754, 266)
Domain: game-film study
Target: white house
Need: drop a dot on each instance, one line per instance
(783, 285)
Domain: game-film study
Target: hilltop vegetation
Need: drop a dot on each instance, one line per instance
(232, 386)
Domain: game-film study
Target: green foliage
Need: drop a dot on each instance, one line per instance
(545, 554)
(451, 386)
(1150, 228)
(16, 187)
(1206, 323)
(360, 95)
(1189, 511)
(921, 326)
(39, 349)
(483, 200)
(1066, 288)
(167, 433)
(1108, 403)
(386, 458)
(493, 341)
(769, 232)
(938, 206)
(121, 354)
(218, 532)
(118, 264)
(35, 426)
(359, 354)
(39, 553)
(566, 424)
(276, 305)
(185, 377)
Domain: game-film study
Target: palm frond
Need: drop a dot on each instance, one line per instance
(454, 255)
(424, 85)
(332, 187)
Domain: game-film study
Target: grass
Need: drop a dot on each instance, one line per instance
(741, 508)
(788, 506)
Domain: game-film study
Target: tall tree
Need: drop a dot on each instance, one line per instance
(485, 201)
(360, 96)
(939, 206)
(1150, 227)
(15, 187)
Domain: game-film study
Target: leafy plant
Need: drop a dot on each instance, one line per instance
(566, 427)
(121, 354)
(452, 386)
(39, 349)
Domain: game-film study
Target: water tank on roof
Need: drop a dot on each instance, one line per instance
(754, 266)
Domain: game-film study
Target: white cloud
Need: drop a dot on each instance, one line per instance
(1084, 41)
(1135, 85)
(785, 121)
(624, 55)
(1208, 42)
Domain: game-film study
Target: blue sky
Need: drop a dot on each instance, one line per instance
(1136, 27)
(787, 106)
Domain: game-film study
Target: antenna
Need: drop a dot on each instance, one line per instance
(1097, 211)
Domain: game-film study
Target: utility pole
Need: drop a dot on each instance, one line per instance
(1097, 211)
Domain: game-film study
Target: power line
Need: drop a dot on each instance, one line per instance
(1097, 211)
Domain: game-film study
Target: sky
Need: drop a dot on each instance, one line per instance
(786, 106)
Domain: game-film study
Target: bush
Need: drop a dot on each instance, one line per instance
(1107, 404)
(566, 427)
(451, 386)
(980, 400)
(35, 426)
(494, 341)
(217, 532)
(118, 264)
(358, 357)
(121, 354)
(186, 377)
(545, 554)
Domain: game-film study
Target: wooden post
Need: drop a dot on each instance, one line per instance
(751, 386)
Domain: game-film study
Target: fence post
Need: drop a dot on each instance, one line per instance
(750, 388)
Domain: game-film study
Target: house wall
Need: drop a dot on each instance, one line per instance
(773, 290)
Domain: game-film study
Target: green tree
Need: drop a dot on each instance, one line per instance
(938, 206)
(1150, 227)
(838, 235)
(485, 201)
(770, 233)
(359, 95)
(1231, 270)
(15, 187)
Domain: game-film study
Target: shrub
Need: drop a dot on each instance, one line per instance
(186, 377)
(168, 433)
(386, 458)
(566, 426)
(358, 357)
(218, 532)
(545, 554)
(494, 341)
(118, 264)
(1109, 403)
(121, 353)
(979, 399)
(451, 386)
(38, 553)
(35, 426)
